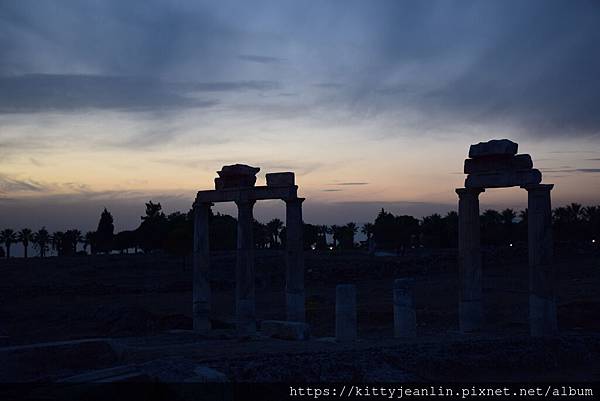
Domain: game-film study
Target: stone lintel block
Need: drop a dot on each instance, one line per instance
(247, 194)
(504, 179)
(497, 163)
(538, 187)
(280, 179)
(239, 181)
(285, 330)
(238, 170)
(493, 148)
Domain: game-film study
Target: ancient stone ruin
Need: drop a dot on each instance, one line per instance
(236, 183)
(496, 164)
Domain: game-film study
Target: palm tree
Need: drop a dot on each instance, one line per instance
(591, 215)
(73, 238)
(57, 241)
(574, 211)
(25, 236)
(8, 237)
(41, 239)
(508, 215)
(335, 232)
(367, 229)
(351, 229)
(274, 229)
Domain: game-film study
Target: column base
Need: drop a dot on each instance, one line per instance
(295, 309)
(245, 315)
(470, 316)
(542, 316)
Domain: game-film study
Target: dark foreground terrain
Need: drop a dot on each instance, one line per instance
(128, 317)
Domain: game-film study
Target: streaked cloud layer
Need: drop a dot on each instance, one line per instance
(379, 98)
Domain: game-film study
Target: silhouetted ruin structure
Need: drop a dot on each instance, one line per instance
(236, 183)
(495, 164)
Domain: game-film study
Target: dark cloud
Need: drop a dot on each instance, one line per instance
(231, 86)
(260, 59)
(352, 183)
(533, 65)
(43, 92)
(589, 170)
(530, 66)
(329, 85)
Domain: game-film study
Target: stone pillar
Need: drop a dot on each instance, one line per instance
(470, 310)
(245, 304)
(405, 318)
(294, 261)
(542, 302)
(345, 312)
(201, 269)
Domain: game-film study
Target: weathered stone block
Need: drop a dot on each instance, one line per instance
(236, 176)
(234, 182)
(504, 179)
(493, 148)
(405, 320)
(345, 312)
(238, 169)
(280, 179)
(285, 330)
(497, 163)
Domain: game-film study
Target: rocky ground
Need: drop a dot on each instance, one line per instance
(128, 317)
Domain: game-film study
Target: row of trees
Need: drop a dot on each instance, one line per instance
(62, 242)
(173, 233)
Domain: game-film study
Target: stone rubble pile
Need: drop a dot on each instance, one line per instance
(496, 164)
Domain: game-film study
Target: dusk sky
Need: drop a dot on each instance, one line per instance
(371, 103)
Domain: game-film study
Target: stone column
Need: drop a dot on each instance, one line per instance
(542, 302)
(245, 304)
(345, 312)
(470, 311)
(405, 318)
(294, 261)
(201, 269)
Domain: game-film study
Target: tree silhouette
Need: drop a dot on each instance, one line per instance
(25, 236)
(72, 238)
(104, 234)
(41, 239)
(508, 217)
(222, 232)
(591, 214)
(367, 230)
(153, 229)
(179, 234)
(261, 235)
(8, 237)
(335, 233)
(432, 230)
(88, 240)
(491, 227)
(57, 242)
(348, 232)
(274, 229)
